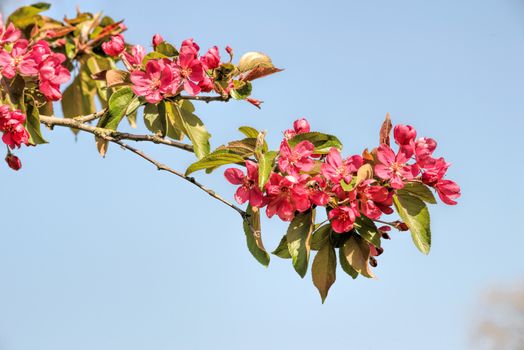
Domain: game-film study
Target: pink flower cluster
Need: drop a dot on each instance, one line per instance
(397, 169)
(303, 179)
(164, 77)
(32, 60)
(12, 126)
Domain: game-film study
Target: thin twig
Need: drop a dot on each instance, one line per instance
(164, 167)
(206, 99)
(117, 137)
(76, 124)
(90, 117)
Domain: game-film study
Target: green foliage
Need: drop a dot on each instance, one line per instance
(282, 251)
(414, 212)
(419, 190)
(266, 163)
(321, 236)
(323, 270)
(214, 160)
(192, 127)
(166, 49)
(253, 236)
(368, 230)
(298, 240)
(118, 105)
(356, 253)
(27, 15)
(322, 142)
(32, 124)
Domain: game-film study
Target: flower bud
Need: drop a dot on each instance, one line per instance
(115, 46)
(301, 126)
(373, 262)
(13, 162)
(402, 226)
(157, 40)
(404, 134)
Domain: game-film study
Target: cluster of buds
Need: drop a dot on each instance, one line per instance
(32, 59)
(347, 187)
(14, 133)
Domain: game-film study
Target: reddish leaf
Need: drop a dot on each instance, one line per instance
(385, 130)
(259, 72)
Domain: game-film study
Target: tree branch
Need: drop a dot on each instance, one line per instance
(206, 99)
(75, 123)
(164, 167)
(117, 137)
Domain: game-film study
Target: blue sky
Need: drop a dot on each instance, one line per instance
(111, 254)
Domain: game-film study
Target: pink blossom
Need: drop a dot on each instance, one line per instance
(374, 200)
(9, 34)
(206, 85)
(17, 60)
(133, 60)
(211, 59)
(157, 40)
(448, 191)
(300, 126)
(12, 125)
(424, 148)
(190, 67)
(157, 81)
(40, 51)
(317, 188)
(249, 189)
(336, 169)
(51, 74)
(437, 171)
(342, 218)
(115, 46)
(293, 160)
(394, 168)
(286, 194)
(404, 134)
(13, 162)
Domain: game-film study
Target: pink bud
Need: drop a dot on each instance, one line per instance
(157, 40)
(115, 46)
(254, 102)
(229, 50)
(404, 134)
(13, 162)
(301, 126)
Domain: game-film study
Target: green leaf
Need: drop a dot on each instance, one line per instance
(26, 15)
(193, 127)
(322, 142)
(166, 49)
(118, 104)
(249, 131)
(419, 190)
(241, 89)
(32, 124)
(282, 250)
(414, 212)
(253, 236)
(79, 97)
(368, 230)
(298, 240)
(320, 237)
(323, 270)
(356, 252)
(265, 166)
(152, 56)
(153, 121)
(346, 266)
(213, 161)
